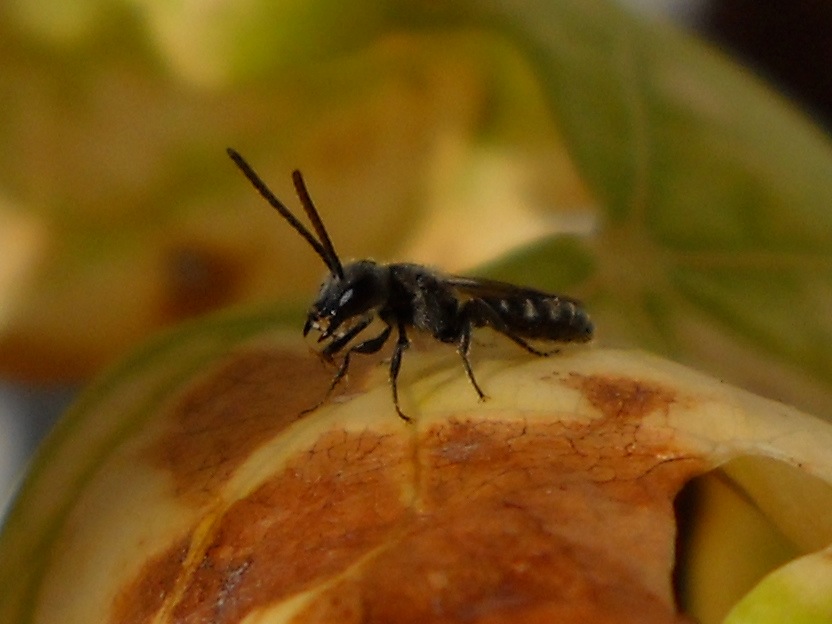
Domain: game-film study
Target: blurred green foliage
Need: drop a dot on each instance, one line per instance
(712, 240)
(699, 219)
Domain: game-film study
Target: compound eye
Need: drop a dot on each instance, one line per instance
(345, 297)
(358, 294)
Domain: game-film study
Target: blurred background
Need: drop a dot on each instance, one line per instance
(120, 214)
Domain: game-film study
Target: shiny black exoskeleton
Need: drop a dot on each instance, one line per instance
(405, 295)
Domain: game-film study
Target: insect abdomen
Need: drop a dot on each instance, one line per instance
(543, 317)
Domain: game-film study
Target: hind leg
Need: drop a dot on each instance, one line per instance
(477, 313)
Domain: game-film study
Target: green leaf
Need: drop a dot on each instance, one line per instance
(555, 263)
(715, 244)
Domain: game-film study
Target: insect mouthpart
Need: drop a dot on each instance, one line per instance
(320, 324)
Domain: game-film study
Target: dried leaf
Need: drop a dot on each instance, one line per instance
(186, 487)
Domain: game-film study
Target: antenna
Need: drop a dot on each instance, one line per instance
(323, 248)
(314, 217)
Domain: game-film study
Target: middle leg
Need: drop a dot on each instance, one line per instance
(464, 348)
(402, 343)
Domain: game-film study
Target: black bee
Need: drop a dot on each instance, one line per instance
(405, 295)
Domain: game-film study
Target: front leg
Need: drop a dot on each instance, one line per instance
(372, 345)
(339, 342)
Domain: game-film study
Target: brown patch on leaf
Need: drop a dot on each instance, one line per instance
(509, 522)
(623, 397)
(329, 507)
(140, 601)
(526, 523)
(221, 420)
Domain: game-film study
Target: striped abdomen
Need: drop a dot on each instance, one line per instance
(542, 316)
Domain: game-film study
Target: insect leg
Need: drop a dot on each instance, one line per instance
(370, 345)
(479, 313)
(402, 343)
(339, 342)
(464, 348)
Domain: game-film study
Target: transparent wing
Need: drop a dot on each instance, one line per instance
(476, 287)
